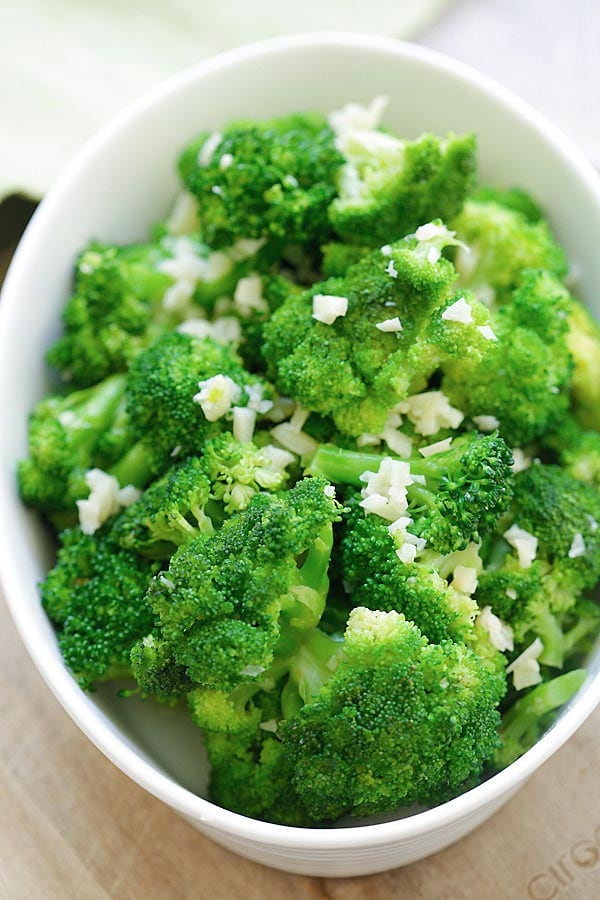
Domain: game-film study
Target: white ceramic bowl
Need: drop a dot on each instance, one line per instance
(119, 183)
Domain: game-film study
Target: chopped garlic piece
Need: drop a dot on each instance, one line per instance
(487, 332)
(216, 396)
(244, 420)
(327, 308)
(524, 543)
(278, 459)
(392, 325)
(391, 269)
(370, 440)
(224, 330)
(387, 249)
(486, 423)
(511, 593)
(431, 230)
(105, 499)
(385, 490)
(244, 248)
(248, 296)
(184, 215)
(465, 579)
(329, 491)
(526, 668)
(591, 522)
(255, 393)
(178, 295)
(207, 150)
(397, 441)
(460, 311)
(406, 553)
(269, 725)
(501, 634)
(293, 439)
(578, 547)
(430, 411)
(225, 161)
(438, 447)
(520, 460)
(252, 671)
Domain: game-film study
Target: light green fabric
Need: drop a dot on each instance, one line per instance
(67, 65)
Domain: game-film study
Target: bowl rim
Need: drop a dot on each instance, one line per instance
(92, 721)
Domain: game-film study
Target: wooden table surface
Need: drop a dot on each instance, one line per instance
(72, 827)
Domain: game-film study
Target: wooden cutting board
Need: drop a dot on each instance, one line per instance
(73, 827)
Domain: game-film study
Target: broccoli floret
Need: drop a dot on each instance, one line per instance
(524, 378)
(525, 721)
(162, 384)
(583, 340)
(429, 708)
(229, 600)
(511, 198)
(250, 772)
(351, 370)
(65, 435)
(389, 187)
(578, 451)
(502, 243)
(454, 496)
(114, 312)
(95, 594)
(539, 600)
(157, 672)
(170, 512)
(376, 578)
(277, 181)
(238, 471)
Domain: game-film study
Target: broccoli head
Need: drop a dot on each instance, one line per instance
(167, 411)
(353, 370)
(388, 187)
(583, 340)
(576, 450)
(272, 179)
(523, 380)
(501, 243)
(399, 721)
(230, 600)
(65, 436)
(95, 594)
(453, 497)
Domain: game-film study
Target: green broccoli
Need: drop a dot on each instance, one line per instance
(502, 242)
(65, 433)
(511, 198)
(578, 451)
(556, 516)
(170, 512)
(229, 601)
(389, 187)
(174, 405)
(453, 497)
(583, 340)
(524, 379)
(431, 708)
(272, 179)
(525, 721)
(353, 370)
(95, 594)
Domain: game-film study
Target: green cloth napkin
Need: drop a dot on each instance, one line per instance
(66, 66)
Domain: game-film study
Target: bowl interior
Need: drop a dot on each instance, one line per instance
(125, 180)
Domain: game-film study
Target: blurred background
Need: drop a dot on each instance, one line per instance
(67, 66)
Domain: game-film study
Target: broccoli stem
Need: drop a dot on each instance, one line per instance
(343, 466)
(135, 467)
(521, 724)
(548, 629)
(311, 668)
(93, 409)
(586, 626)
